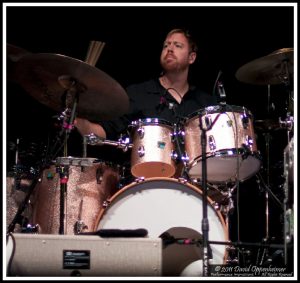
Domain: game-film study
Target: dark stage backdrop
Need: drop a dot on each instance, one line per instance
(228, 38)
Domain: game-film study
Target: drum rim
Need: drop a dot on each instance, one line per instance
(184, 182)
(255, 155)
(216, 109)
(150, 121)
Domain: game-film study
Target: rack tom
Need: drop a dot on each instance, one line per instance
(153, 153)
(231, 148)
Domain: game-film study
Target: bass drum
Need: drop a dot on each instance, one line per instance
(169, 209)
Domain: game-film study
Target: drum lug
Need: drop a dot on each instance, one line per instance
(245, 121)
(185, 158)
(174, 155)
(105, 203)
(141, 132)
(139, 180)
(31, 229)
(180, 135)
(99, 175)
(212, 143)
(182, 180)
(79, 226)
(208, 121)
(216, 205)
(141, 151)
(249, 142)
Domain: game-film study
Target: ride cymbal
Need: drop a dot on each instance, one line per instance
(47, 77)
(274, 68)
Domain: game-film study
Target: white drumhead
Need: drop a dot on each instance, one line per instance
(164, 204)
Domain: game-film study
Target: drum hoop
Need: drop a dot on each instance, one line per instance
(185, 183)
(217, 109)
(150, 121)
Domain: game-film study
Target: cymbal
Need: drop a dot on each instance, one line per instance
(272, 69)
(13, 54)
(266, 125)
(47, 77)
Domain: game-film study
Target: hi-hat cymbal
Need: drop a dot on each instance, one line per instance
(267, 125)
(47, 77)
(274, 68)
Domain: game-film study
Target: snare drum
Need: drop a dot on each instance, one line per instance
(153, 153)
(87, 187)
(166, 206)
(231, 144)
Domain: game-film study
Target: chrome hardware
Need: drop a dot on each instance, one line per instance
(141, 132)
(141, 151)
(212, 143)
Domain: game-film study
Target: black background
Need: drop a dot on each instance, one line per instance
(228, 38)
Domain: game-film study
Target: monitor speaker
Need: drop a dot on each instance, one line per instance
(77, 255)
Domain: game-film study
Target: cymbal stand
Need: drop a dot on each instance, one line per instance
(72, 94)
(267, 190)
(288, 123)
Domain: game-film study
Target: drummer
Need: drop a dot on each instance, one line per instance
(168, 97)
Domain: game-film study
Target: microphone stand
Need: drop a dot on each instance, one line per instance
(205, 224)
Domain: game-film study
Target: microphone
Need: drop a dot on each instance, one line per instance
(118, 233)
(162, 102)
(216, 82)
(169, 239)
(222, 93)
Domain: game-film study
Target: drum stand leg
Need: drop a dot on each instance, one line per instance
(23, 205)
(266, 241)
(18, 216)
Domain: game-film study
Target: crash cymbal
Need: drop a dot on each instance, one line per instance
(267, 125)
(13, 54)
(274, 68)
(47, 77)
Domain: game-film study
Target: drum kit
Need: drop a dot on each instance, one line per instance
(168, 197)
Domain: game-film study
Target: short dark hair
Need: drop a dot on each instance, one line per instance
(189, 37)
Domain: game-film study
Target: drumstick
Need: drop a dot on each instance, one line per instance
(90, 52)
(94, 51)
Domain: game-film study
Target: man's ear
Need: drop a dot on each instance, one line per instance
(192, 57)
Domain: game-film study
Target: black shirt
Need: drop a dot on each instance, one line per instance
(151, 100)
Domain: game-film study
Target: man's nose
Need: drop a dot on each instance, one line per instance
(170, 48)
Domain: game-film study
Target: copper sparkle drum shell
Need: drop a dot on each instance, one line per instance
(231, 148)
(86, 189)
(152, 150)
